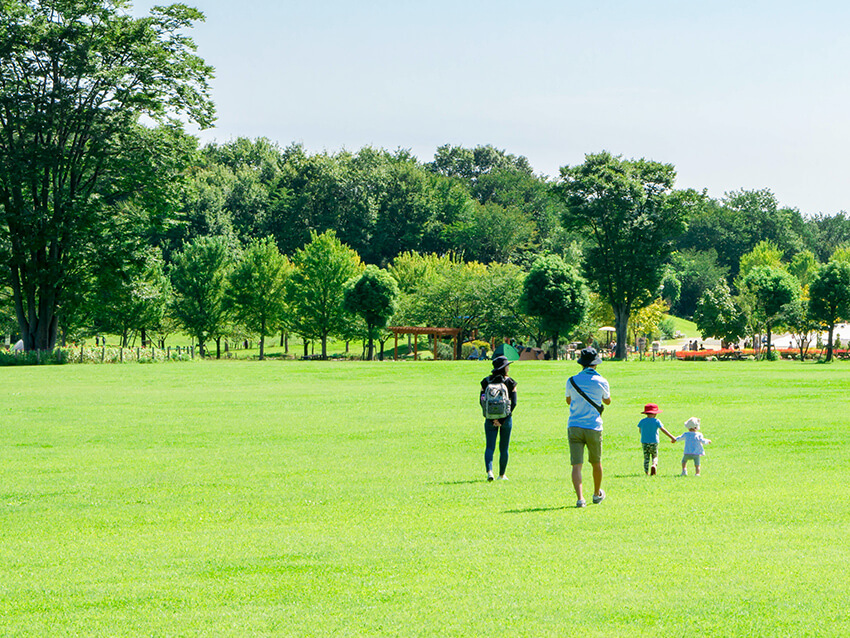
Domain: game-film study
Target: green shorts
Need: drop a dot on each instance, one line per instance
(581, 437)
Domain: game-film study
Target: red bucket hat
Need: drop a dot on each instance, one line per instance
(651, 408)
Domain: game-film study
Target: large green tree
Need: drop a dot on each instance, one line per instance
(75, 76)
(132, 297)
(829, 297)
(199, 280)
(630, 215)
(556, 293)
(316, 286)
(717, 315)
(256, 289)
(373, 296)
(770, 288)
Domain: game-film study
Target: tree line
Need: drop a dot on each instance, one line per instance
(115, 223)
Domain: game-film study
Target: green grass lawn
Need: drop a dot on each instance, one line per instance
(242, 498)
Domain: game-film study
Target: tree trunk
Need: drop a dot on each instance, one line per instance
(829, 343)
(262, 339)
(369, 329)
(555, 339)
(621, 323)
(306, 348)
(324, 346)
(38, 325)
(768, 341)
(218, 347)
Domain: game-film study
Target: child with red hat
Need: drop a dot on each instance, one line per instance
(649, 427)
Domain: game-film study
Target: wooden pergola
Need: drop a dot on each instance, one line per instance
(418, 330)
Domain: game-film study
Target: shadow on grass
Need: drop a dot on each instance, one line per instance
(532, 510)
(469, 482)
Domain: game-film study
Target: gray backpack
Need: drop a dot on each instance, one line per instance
(496, 400)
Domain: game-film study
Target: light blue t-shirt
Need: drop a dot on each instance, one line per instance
(582, 414)
(693, 442)
(649, 429)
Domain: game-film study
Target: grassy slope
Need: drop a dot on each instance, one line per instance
(316, 499)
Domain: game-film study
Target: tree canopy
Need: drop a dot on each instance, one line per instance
(75, 76)
(630, 218)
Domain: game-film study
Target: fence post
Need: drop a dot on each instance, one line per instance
(193, 351)
(137, 355)
(103, 354)
(169, 352)
(81, 353)
(121, 354)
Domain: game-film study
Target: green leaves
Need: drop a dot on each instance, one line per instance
(257, 289)
(630, 218)
(75, 76)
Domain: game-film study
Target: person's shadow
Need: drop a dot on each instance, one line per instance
(534, 510)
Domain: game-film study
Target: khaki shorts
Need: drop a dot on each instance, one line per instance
(581, 437)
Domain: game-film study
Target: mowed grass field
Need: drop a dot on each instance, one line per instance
(348, 499)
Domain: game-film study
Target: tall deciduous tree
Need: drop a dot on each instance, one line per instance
(257, 289)
(630, 214)
(829, 297)
(133, 297)
(717, 315)
(74, 78)
(771, 289)
(556, 293)
(373, 296)
(316, 287)
(199, 280)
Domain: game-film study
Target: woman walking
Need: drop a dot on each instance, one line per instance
(498, 401)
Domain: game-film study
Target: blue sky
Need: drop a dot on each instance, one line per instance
(737, 95)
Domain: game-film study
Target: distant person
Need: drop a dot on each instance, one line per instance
(649, 427)
(498, 401)
(694, 442)
(586, 393)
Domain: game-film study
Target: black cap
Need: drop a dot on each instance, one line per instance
(501, 362)
(589, 357)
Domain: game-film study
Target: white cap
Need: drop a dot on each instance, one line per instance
(692, 423)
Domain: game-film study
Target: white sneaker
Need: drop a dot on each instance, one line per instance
(581, 503)
(490, 475)
(684, 473)
(503, 477)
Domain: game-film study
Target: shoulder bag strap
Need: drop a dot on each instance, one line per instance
(599, 408)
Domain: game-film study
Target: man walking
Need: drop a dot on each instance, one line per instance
(587, 394)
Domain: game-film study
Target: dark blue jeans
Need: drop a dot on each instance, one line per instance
(491, 432)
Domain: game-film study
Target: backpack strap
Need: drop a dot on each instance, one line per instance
(599, 408)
